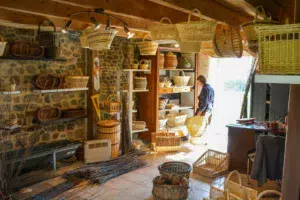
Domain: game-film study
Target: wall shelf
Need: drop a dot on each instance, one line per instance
(140, 131)
(177, 69)
(57, 121)
(280, 79)
(34, 59)
(174, 92)
(61, 90)
(177, 109)
(9, 92)
(136, 70)
(137, 90)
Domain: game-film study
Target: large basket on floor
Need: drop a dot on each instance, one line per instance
(164, 141)
(147, 47)
(211, 164)
(175, 168)
(279, 49)
(197, 30)
(101, 40)
(164, 33)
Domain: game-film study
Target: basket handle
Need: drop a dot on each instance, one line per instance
(78, 70)
(262, 10)
(135, 61)
(147, 35)
(96, 103)
(145, 62)
(230, 175)
(108, 99)
(182, 72)
(192, 11)
(268, 192)
(165, 18)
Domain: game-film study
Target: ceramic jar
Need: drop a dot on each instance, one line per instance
(171, 61)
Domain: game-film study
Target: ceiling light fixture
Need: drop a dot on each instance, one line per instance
(129, 34)
(108, 23)
(68, 24)
(176, 45)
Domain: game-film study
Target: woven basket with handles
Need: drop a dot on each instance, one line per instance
(181, 80)
(164, 33)
(76, 81)
(147, 47)
(101, 39)
(113, 103)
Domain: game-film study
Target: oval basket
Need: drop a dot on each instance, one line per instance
(228, 42)
(26, 50)
(181, 80)
(111, 104)
(164, 33)
(147, 47)
(48, 113)
(47, 81)
(175, 168)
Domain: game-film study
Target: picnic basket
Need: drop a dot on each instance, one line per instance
(147, 47)
(181, 80)
(164, 33)
(113, 103)
(102, 39)
(196, 31)
(2, 45)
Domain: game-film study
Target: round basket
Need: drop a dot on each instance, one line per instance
(164, 33)
(181, 80)
(113, 137)
(228, 42)
(76, 81)
(135, 64)
(144, 65)
(115, 150)
(196, 31)
(108, 126)
(48, 113)
(140, 83)
(111, 104)
(2, 45)
(147, 47)
(175, 168)
(100, 40)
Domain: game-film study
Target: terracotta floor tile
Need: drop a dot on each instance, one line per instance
(137, 178)
(141, 191)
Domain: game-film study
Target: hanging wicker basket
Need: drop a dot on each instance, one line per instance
(76, 81)
(228, 42)
(164, 33)
(2, 45)
(196, 31)
(111, 104)
(147, 47)
(101, 40)
(181, 80)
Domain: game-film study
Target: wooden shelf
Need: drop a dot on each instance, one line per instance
(36, 59)
(136, 70)
(9, 92)
(61, 90)
(192, 70)
(56, 121)
(281, 79)
(140, 131)
(111, 113)
(174, 92)
(137, 90)
(177, 109)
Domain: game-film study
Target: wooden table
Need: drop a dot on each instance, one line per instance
(241, 139)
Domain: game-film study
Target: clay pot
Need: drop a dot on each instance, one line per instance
(161, 61)
(184, 63)
(171, 61)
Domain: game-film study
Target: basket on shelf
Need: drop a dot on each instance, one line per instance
(161, 190)
(164, 33)
(135, 64)
(138, 125)
(102, 39)
(70, 113)
(48, 81)
(164, 141)
(196, 31)
(162, 103)
(26, 50)
(162, 123)
(175, 119)
(147, 47)
(76, 81)
(113, 103)
(144, 64)
(12, 120)
(181, 80)
(249, 27)
(48, 113)
(172, 169)
(211, 164)
(171, 61)
(228, 42)
(2, 45)
(279, 47)
(140, 83)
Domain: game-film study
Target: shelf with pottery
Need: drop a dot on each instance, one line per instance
(137, 90)
(61, 90)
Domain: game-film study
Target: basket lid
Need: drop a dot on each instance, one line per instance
(108, 123)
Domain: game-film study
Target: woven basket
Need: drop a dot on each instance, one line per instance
(48, 113)
(2, 45)
(279, 48)
(228, 42)
(181, 80)
(196, 31)
(164, 191)
(174, 168)
(26, 50)
(48, 81)
(211, 164)
(77, 81)
(144, 65)
(140, 83)
(167, 143)
(113, 105)
(108, 126)
(12, 120)
(147, 47)
(164, 33)
(138, 125)
(135, 64)
(171, 61)
(100, 40)
(176, 119)
(113, 137)
(268, 192)
(115, 150)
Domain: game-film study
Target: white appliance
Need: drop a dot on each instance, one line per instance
(97, 150)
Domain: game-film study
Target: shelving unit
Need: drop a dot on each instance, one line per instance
(9, 92)
(34, 59)
(61, 90)
(136, 91)
(176, 109)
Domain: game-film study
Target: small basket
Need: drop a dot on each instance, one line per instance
(181, 80)
(176, 119)
(138, 125)
(147, 47)
(76, 81)
(196, 31)
(48, 81)
(135, 64)
(175, 168)
(164, 33)
(115, 150)
(2, 45)
(211, 164)
(140, 83)
(71, 113)
(144, 65)
(113, 106)
(48, 113)
(13, 119)
(101, 40)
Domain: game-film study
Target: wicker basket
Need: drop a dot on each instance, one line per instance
(175, 168)
(135, 64)
(181, 80)
(2, 45)
(144, 65)
(268, 192)
(12, 120)
(115, 150)
(83, 40)
(164, 33)
(101, 40)
(196, 31)
(164, 191)
(26, 50)
(138, 125)
(76, 81)
(147, 47)
(279, 48)
(167, 144)
(48, 81)
(171, 61)
(113, 105)
(176, 119)
(228, 42)
(158, 134)
(70, 113)
(140, 83)
(113, 137)
(211, 164)
(48, 113)
(108, 126)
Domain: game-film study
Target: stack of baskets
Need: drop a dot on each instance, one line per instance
(163, 141)
(175, 119)
(140, 83)
(2, 45)
(147, 47)
(100, 40)
(111, 130)
(112, 103)
(76, 81)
